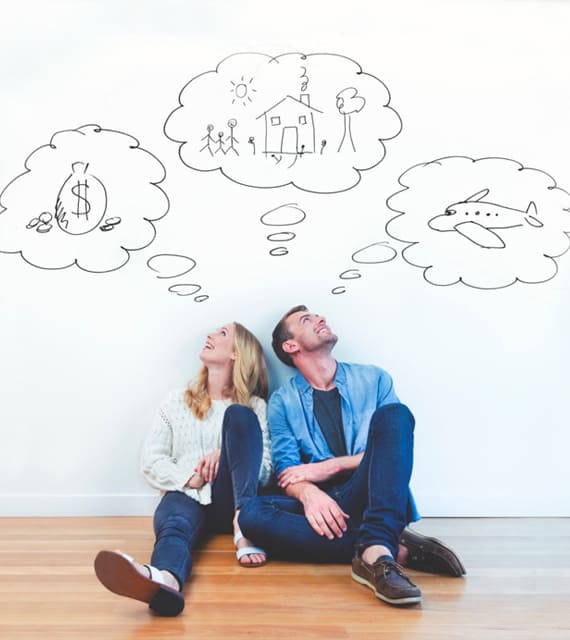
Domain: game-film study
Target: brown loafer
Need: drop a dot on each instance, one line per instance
(387, 579)
(430, 555)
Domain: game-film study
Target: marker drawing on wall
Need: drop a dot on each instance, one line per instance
(487, 222)
(375, 253)
(168, 266)
(88, 198)
(286, 215)
(480, 221)
(315, 121)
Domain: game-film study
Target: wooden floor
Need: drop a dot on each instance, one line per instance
(517, 587)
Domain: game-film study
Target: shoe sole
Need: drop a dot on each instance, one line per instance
(396, 601)
(120, 576)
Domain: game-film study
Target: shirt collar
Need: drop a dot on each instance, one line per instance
(339, 380)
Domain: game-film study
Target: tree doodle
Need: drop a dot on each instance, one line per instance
(286, 215)
(277, 121)
(512, 228)
(375, 253)
(85, 181)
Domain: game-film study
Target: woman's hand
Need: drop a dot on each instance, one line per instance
(208, 466)
(195, 481)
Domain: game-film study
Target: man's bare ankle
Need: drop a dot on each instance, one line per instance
(375, 551)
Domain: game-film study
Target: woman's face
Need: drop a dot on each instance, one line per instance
(219, 347)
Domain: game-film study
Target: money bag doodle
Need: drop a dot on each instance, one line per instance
(81, 201)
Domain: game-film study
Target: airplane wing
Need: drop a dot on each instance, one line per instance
(480, 235)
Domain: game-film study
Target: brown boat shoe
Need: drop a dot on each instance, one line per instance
(387, 579)
(430, 555)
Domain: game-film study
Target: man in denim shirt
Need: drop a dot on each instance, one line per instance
(343, 452)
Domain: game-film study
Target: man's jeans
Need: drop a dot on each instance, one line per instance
(376, 497)
(181, 523)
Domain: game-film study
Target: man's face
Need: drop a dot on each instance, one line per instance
(310, 332)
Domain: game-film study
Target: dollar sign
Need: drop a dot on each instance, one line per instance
(81, 202)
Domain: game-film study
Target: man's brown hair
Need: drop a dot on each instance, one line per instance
(281, 334)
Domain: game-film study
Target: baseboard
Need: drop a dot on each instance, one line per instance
(78, 505)
(430, 506)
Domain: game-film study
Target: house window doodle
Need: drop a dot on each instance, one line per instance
(316, 121)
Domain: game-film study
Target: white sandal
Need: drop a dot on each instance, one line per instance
(246, 551)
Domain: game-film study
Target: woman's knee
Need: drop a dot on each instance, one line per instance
(240, 417)
(178, 514)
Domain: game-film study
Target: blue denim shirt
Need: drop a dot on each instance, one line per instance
(296, 437)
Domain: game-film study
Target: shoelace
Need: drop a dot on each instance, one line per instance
(388, 566)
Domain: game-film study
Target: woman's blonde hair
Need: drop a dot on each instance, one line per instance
(249, 375)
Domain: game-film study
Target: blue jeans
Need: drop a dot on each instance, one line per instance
(376, 497)
(181, 523)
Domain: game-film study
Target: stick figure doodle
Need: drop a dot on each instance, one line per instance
(287, 110)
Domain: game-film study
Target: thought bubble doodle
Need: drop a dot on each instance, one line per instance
(375, 253)
(486, 222)
(286, 215)
(175, 265)
(85, 181)
(315, 121)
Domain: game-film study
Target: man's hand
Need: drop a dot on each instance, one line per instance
(208, 466)
(322, 512)
(318, 471)
(311, 472)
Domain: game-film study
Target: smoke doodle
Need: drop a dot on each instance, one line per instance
(315, 121)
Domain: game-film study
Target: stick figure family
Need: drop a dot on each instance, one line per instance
(223, 144)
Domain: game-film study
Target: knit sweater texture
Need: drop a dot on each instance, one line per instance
(178, 440)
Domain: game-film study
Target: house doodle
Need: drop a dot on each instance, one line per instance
(315, 121)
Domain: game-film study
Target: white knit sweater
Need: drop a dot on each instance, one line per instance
(178, 440)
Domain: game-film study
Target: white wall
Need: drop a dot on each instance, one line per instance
(87, 353)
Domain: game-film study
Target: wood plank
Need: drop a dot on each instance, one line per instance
(518, 587)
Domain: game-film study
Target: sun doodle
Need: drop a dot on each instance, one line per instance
(242, 90)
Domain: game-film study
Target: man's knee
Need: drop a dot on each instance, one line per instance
(392, 416)
(252, 515)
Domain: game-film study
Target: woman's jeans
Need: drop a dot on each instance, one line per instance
(181, 523)
(376, 497)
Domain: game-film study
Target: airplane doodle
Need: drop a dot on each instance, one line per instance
(481, 242)
(476, 219)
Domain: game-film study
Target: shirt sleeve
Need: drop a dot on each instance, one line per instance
(386, 393)
(260, 408)
(283, 442)
(158, 465)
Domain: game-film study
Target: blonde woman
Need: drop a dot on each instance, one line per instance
(207, 451)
